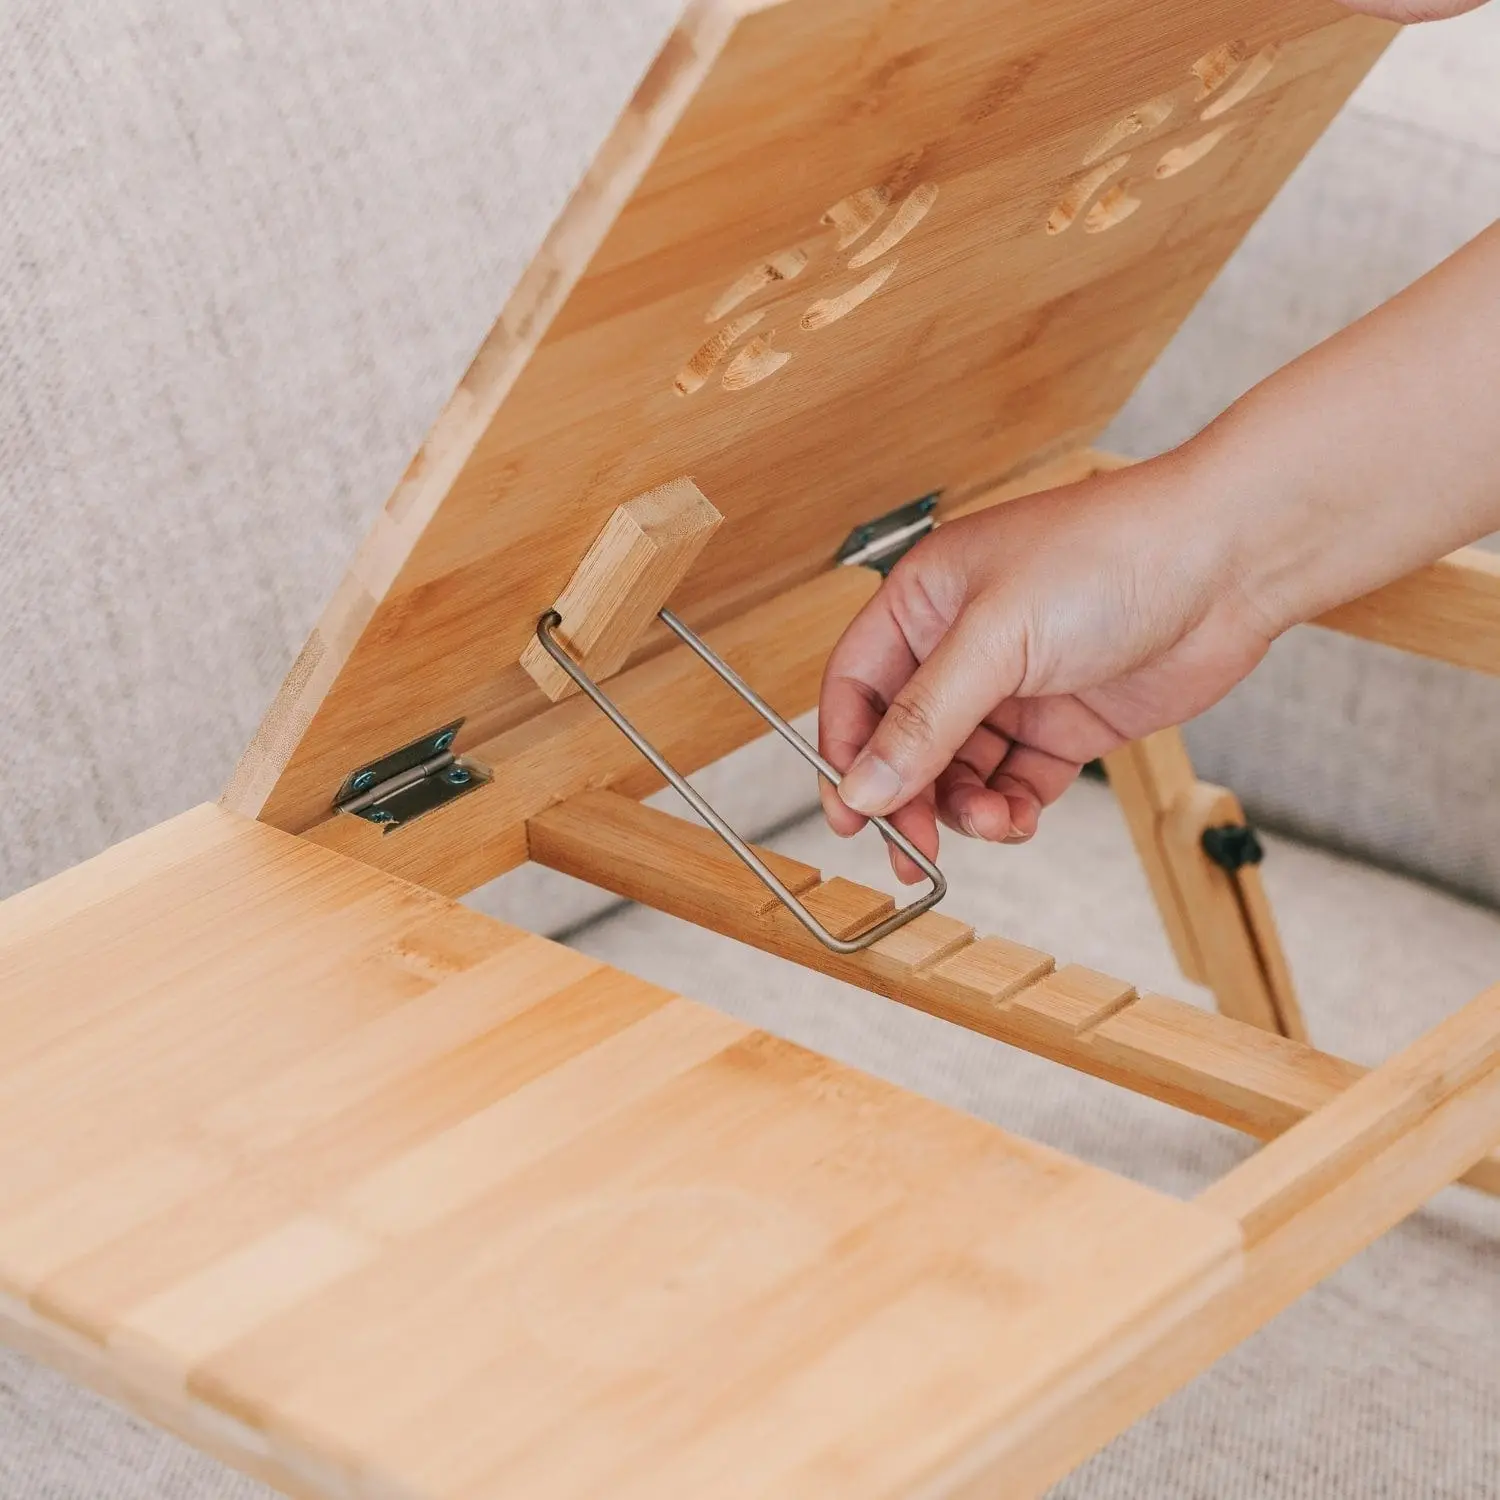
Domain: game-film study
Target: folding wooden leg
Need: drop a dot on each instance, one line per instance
(1217, 917)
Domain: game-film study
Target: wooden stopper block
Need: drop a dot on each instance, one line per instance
(646, 547)
(925, 940)
(989, 971)
(844, 908)
(1069, 1002)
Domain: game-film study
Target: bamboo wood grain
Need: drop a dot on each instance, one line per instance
(1449, 611)
(377, 1197)
(780, 646)
(1147, 776)
(643, 553)
(1350, 1134)
(780, 276)
(1265, 938)
(373, 1196)
(1240, 1075)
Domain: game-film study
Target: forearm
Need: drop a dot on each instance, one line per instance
(1374, 453)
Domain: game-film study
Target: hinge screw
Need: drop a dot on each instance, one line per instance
(443, 742)
(364, 781)
(1232, 846)
(380, 815)
(457, 775)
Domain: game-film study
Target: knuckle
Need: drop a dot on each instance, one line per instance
(922, 616)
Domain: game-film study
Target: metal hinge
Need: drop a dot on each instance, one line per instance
(881, 543)
(410, 781)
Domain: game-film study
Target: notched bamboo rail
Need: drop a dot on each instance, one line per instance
(1208, 1064)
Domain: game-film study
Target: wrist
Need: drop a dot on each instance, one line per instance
(1271, 552)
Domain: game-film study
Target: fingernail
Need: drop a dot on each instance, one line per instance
(1025, 814)
(871, 785)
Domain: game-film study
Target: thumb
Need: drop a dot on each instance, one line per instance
(974, 667)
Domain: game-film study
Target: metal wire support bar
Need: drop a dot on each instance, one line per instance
(544, 632)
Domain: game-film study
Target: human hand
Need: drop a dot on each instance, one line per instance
(1013, 646)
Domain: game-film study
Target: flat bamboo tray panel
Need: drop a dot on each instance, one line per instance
(838, 254)
(374, 1196)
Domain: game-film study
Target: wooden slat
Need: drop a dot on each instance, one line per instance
(779, 278)
(1243, 1076)
(1265, 938)
(1449, 611)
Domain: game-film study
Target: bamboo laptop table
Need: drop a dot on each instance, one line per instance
(375, 1197)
